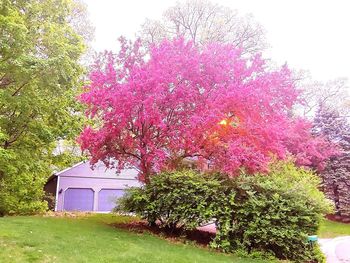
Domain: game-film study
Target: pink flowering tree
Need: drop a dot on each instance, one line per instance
(150, 110)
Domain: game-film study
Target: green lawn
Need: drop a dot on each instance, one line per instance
(91, 239)
(331, 229)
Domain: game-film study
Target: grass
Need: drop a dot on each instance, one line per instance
(92, 239)
(330, 229)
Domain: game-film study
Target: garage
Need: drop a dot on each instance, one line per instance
(85, 188)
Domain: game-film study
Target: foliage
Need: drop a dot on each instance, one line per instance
(57, 239)
(39, 79)
(22, 195)
(273, 214)
(203, 22)
(336, 176)
(66, 154)
(309, 149)
(261, 216)
(173, 199)
(180, 101)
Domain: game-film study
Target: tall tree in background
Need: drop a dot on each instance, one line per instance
(203, 22)
(39, 79)
(78, 19)
(333, 94)
(336, 176)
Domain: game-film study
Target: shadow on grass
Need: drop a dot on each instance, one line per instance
(179, 235)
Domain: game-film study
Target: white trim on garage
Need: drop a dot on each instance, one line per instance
(101, 177)
(57, 187)
(60, 172)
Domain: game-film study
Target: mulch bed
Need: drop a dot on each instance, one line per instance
(200, 237)
(338, 218)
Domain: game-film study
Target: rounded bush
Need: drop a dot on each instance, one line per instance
(177, 199)
(271, 213)
(265, 215)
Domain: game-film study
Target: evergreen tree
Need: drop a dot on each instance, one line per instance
(336, 176)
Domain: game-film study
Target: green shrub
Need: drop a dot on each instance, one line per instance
(179, 199)
(262, 216)
(22, 195)
(271, 213)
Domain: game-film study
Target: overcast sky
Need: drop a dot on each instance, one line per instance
(312, 35)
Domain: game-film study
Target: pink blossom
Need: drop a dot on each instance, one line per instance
(152, 110)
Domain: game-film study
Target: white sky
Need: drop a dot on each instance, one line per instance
(312, 35)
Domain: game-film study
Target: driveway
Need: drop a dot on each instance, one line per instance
(337, 250)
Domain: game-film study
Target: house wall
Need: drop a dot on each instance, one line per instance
(96, 184)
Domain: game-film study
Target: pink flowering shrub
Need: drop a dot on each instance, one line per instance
(153, 109)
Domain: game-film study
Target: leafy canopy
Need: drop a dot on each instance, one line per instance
(151, 110)
(39, 79)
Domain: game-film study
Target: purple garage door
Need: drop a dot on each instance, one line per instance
(107, 198)
(79, 199)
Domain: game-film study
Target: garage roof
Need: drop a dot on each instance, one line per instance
(83, 169)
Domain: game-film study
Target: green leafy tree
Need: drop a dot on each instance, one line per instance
(40, 76)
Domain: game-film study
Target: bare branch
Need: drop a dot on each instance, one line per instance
(203, 22)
